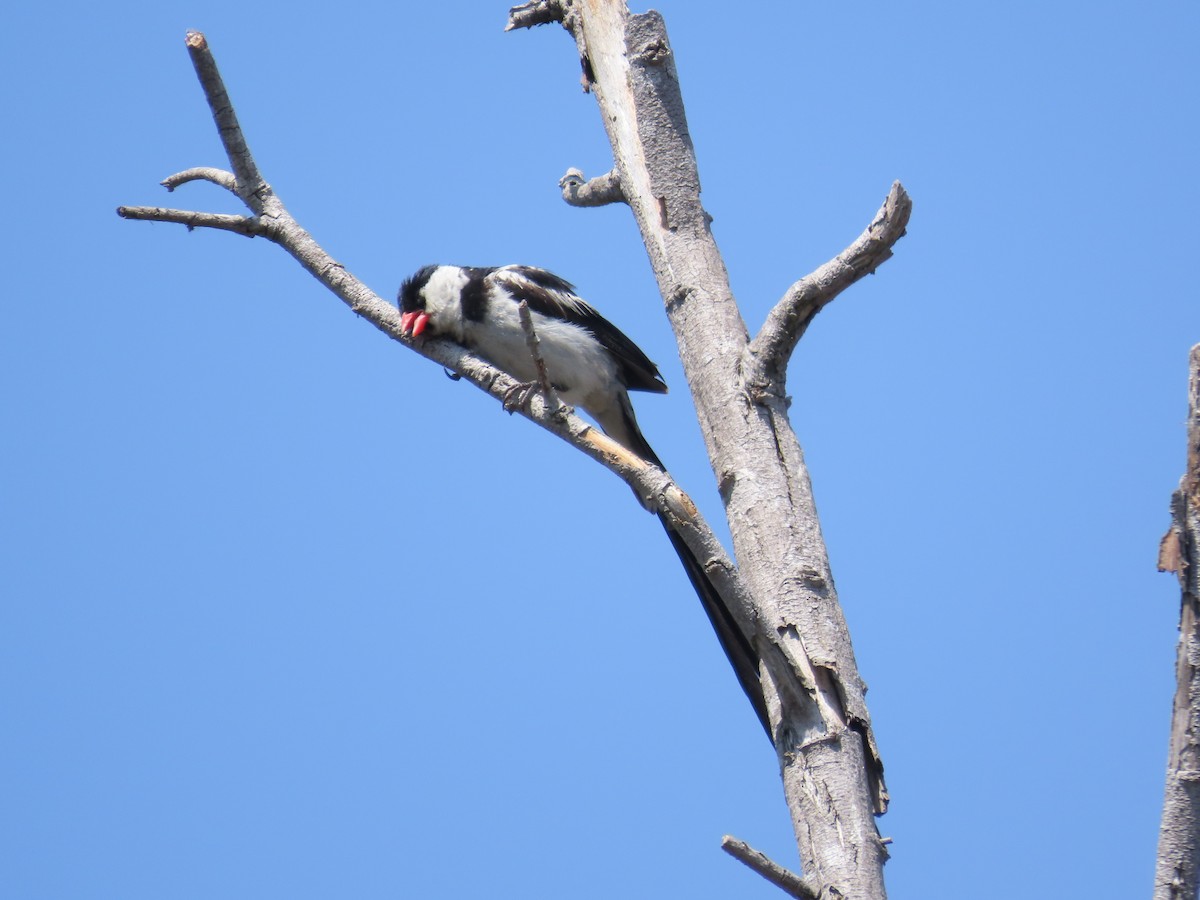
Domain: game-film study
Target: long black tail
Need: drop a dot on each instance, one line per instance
(737, 649)
(741, 655)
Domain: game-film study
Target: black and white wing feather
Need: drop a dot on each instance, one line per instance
(555, 298)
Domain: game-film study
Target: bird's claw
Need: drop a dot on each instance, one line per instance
(518, 396)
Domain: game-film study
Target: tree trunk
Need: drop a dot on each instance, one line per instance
(831, 771)
(1176, 876)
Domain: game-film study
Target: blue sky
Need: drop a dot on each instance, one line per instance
(241, 651)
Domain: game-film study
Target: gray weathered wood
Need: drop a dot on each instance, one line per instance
(832, 774)
(787, 881)
(1177, 875)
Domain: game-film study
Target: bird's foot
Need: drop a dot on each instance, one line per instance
(518, 396)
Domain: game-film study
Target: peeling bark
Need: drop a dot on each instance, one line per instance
(1177, 875)
(832, 773)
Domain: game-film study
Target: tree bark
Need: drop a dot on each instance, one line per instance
(832, 774)
(1177, 875)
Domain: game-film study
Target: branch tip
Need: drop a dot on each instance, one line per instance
(249, 226)
(253, 190)
(219, 177)
(784, 879)
(536, 12)
(599, 191)
(794, 312)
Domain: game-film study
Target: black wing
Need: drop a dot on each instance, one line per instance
(552, 296)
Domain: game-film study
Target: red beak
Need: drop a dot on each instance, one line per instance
(414, 322)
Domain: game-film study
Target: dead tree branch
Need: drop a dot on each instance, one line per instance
(790, 318)
(272, 221)
(538, 12)
(1177, 875)
(599, 191)
(249, 226)
(832, 774)
(787, 881)
(219, 177)
(249, 183)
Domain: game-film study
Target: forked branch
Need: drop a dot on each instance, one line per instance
(271, 220)
(249, 226)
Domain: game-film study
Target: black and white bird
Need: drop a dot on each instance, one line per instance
(591, 364)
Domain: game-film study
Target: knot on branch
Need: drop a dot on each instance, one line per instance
(654, 53)
(763, 388)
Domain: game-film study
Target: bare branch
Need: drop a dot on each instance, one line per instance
(1177, 875)
(219, 177)
(787, 322)
(782, 878)
(251, 186)
(829, 761)
(277, 225)
(250, 226)
(599, 191)
(537, 12)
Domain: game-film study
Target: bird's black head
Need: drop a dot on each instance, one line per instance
(410, 299)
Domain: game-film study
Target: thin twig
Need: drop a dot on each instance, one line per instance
(537, 12)
(250, 226)
(787, 322)
(782, 878)
(249, 180)
(535, 350)
(219, 177)
(277, 225)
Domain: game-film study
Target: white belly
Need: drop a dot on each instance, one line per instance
(579, 368)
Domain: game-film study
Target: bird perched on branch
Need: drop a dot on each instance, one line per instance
(590, 363)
